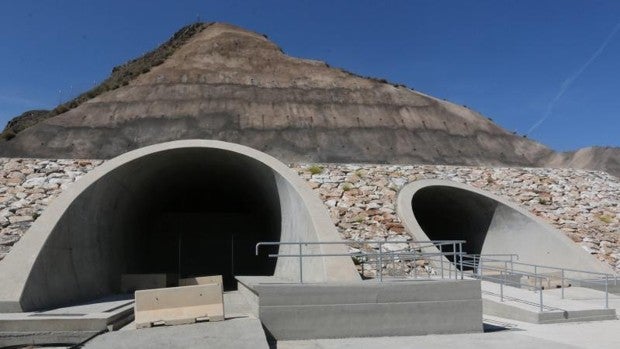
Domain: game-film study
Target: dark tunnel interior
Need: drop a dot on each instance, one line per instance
(201, 212)
(448, 213)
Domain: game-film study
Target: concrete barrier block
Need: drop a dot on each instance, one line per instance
(134, 282)
(179, 305)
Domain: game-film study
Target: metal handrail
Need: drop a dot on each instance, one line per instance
(556, 268)
(460, 261)
(381, 254)
(538, 275)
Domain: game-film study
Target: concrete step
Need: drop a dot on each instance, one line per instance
(579, 304)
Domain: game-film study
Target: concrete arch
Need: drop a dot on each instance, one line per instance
(447, 210)
(114, 220)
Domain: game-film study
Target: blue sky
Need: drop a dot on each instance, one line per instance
(517, 62)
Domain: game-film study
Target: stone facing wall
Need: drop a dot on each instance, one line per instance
(361, 198)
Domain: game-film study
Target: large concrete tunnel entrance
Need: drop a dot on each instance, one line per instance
(447, 210)
(186, 208)
(200, 212)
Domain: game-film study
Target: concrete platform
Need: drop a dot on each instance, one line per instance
(579, 304)
(367, 309)
(67, 325)
(232, 333)
(517, 335)
(243, 331)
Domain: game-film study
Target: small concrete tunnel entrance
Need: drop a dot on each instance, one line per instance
(447, 213)
(446, 210)
(184, 208)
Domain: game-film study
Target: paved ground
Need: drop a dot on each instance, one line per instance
(599, 335)
(232, 333)
(575, 298)
(247, 333)
(244, 331)
(239, 330)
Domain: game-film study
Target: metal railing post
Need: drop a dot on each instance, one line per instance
(441, 259)
(474, 263)
(301, 271)
(461, 258)
(393, 258)
(501, 286)
(541, 297)
(456, 275)
(562, 285)
(606, 291)
(380, 262)
(362, 264)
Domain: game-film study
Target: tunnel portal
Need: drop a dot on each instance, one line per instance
(186, 208)
(433, 209)
(448, 213)
(201, 213)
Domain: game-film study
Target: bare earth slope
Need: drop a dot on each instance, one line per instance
(593, 158)
(230, 84)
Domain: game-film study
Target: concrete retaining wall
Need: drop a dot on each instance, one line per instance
(369, 309)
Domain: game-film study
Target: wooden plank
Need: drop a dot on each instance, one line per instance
(177, 305)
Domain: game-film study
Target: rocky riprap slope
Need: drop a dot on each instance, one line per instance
(26, 188)
(361, 198)
(227, 83)
(583, 204)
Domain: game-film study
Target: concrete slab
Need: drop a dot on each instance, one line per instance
(518, 335)
(70, 325)
(465, 341)
(579, 304)
(236, 305)
(234, 333)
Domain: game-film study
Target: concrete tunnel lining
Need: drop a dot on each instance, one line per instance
(123, 218)
(446, 210)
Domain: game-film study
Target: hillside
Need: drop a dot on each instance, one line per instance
(592, 158)
(223, 82)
